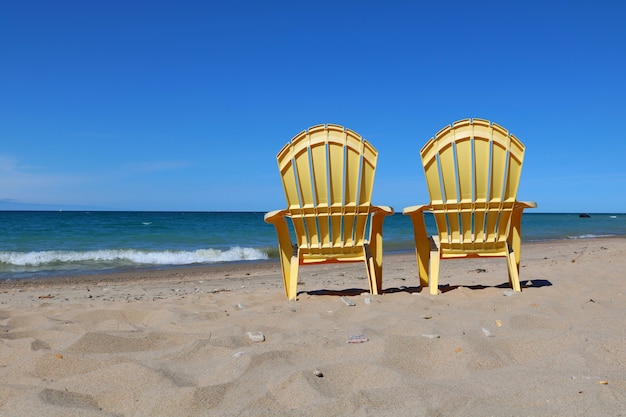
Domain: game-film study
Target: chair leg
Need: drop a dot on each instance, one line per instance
(513, 265)
(291, 279)
(289, 258)
(376, 268)
(515, 248)
(433, 279)
(289, 266)
(423, 264)
(372, 276)
(374, 253)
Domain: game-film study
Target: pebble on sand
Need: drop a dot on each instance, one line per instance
(348, 302)
(256, 336)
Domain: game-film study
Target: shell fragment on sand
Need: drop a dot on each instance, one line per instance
(359, 338)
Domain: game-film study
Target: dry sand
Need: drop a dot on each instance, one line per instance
(176, 343)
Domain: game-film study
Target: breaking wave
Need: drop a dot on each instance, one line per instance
(127, 257)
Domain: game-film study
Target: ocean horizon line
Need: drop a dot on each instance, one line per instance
(533, 212)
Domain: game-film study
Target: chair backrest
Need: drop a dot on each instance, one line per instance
(472, 168)
(328, 177)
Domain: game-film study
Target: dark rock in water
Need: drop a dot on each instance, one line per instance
(584, 215)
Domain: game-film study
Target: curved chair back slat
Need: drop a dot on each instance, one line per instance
(472, 170)
(328, 177)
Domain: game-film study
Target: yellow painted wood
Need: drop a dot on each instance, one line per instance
(472, 169)
(328, 173)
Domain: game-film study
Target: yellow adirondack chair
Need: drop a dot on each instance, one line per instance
(472, 169)
(328, 176)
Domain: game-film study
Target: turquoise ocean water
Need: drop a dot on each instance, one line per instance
(48, 243)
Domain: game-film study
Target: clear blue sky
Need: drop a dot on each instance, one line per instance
(183, 105)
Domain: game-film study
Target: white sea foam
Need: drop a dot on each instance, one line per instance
(589, 236)
(130, 256)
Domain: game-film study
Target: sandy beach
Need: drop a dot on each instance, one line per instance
(224, 340)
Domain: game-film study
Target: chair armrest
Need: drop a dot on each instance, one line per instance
(384, 210)
(416, 209)
(525, 204)
(275, 216)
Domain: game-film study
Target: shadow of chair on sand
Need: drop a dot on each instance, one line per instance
(352, 292)
(535, 283)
